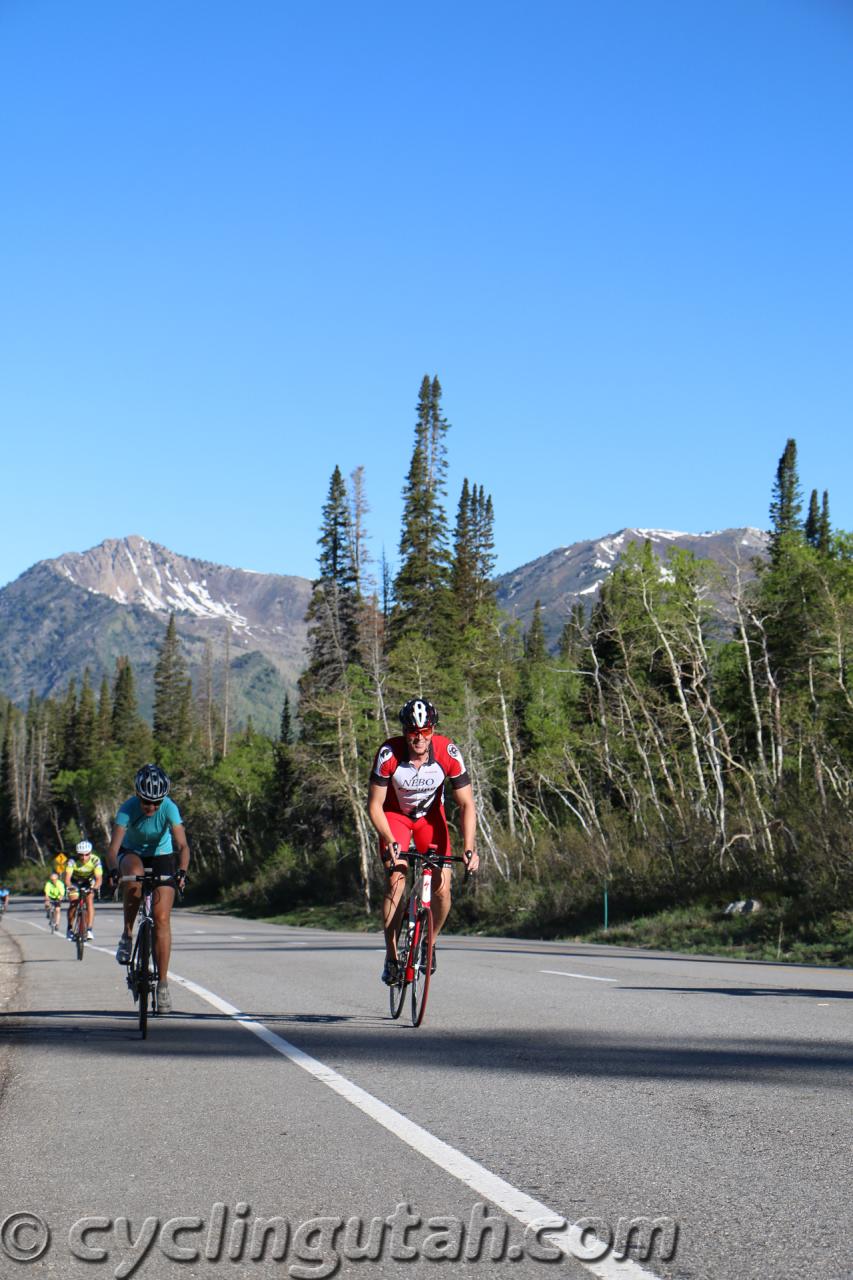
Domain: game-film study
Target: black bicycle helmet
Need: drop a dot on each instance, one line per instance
(418, 714)
(152, 783)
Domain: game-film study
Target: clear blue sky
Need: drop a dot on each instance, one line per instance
(234, 236)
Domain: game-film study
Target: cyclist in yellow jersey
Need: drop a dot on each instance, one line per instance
(81, 871)
(54, 893)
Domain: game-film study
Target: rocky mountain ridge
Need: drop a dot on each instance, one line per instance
(570, 575)
(85, 609)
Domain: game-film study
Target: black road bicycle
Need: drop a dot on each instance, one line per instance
(142, 972)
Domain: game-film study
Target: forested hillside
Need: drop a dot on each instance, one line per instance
(663, 748)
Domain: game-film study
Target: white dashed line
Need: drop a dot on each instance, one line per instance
(561, 973)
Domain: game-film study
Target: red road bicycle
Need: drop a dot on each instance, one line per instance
(415, 938)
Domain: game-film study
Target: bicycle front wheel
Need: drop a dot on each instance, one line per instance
(80, 935)
(142, 974)
(397, 991)
(422, 964)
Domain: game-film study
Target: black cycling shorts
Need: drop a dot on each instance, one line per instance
(165, 864)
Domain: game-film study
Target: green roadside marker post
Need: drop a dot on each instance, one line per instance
(605, 906)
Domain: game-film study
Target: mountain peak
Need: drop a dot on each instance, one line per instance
(574, 574)
(134, 571)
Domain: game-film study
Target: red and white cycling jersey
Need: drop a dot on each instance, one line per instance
(413, 791)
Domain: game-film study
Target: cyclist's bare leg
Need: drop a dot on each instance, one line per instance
(90, 910)
(440, 899)
(72, 913)
(164, 896)
(392, 911)
(130, 865)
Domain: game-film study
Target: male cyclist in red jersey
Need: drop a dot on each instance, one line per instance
(405, 802)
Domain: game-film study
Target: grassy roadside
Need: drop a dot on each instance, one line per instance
(770, 934)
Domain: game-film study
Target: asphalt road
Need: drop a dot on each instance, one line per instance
(280, 1124)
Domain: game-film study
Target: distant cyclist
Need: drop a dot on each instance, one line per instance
(406, 802)
(83, 871)
(4, 899)
(54, 895)
(145, 828)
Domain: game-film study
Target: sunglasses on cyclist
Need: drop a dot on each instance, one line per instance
(419, 733)
(149, 804)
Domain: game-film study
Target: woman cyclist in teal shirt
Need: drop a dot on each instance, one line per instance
(149, 832)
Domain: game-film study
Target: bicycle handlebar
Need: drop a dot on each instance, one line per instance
(147, 876)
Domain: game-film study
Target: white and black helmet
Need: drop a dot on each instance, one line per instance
(418, 714)
(152, 783)
(85, 846)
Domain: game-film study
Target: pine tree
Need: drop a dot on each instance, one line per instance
(69, 741)
(812, 525)
(786, 504)
(824, 533)
(333, 640)
(125, 708)
(484, 541)
(284, 786)
(422, 585)
(172, 693)
(535, 648)
(86, 724)
(103, 728)
(463, 574)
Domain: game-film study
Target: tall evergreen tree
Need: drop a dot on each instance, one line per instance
(464, 568)
(87, 716)
(483, 522)
(103, 730)
(172, 698)
(824, 532)
(535, 648)
(786, 504)
(812, 525)
(69, 744)
(333, 639)
(125, 708)
(422, 585)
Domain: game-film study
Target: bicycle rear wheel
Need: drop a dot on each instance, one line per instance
(397, 991)
(422, 964)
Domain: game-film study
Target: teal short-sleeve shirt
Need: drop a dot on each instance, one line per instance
(148, 834)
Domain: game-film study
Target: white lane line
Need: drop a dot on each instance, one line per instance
(573, 1242)
(561, 973)
(570, 1240)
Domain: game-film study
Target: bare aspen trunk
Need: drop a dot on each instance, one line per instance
(750, 676)
(679, 692)
(509, 756)
(348, 763)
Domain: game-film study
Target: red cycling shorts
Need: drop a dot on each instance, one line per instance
(430, 829)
